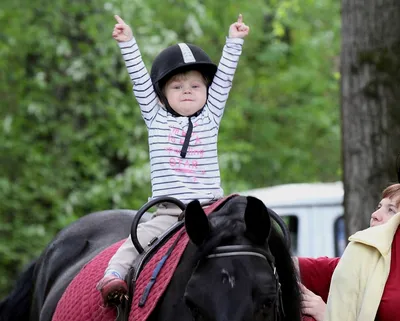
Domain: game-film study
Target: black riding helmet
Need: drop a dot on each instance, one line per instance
(177, 59)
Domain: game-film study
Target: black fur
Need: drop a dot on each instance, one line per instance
(16, 306)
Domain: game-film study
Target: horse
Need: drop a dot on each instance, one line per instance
(236, 267)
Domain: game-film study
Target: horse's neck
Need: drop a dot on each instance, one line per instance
(172, 307)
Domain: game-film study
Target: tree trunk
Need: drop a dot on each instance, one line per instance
(370, 104)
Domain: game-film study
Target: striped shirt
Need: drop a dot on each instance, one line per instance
(197, 176)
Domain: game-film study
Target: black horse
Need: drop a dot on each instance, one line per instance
(237, 267)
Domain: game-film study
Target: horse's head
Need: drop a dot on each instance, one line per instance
(235, 278)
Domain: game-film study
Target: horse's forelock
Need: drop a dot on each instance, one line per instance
(227, 226)
(232, 210)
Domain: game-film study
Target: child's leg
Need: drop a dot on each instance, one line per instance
(113, 286)
(146, 231)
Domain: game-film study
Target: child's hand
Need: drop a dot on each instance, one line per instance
(122, 32)
(238, 29)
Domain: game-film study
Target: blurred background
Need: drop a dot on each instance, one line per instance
(72, 139)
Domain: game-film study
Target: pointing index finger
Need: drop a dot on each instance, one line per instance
(119, 19)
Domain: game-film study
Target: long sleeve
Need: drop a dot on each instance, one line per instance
(142, 86)
(222, 82)
(316, 274)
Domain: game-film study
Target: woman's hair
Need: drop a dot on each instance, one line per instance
(392, 192)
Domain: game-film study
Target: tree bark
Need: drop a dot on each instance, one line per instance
(370, 104)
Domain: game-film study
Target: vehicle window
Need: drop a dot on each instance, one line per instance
(339, 233)
(292, 222)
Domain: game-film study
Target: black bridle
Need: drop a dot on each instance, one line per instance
(249, 250)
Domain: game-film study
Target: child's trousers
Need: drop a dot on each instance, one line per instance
(166, 215)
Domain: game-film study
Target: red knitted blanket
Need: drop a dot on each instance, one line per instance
(82, 302)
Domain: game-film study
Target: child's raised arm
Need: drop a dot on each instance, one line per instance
(140, 78)
(222, 82)
(122, 32)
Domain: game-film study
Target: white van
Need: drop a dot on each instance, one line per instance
(313, 213)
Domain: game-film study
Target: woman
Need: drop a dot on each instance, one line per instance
(365, 281)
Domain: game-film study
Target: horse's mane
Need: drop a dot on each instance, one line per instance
(287, 275)
(225, 230)
(16, 305)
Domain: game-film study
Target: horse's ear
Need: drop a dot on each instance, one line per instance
(257, 220)
(196, 223)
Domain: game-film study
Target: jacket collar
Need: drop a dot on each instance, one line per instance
(379, 237)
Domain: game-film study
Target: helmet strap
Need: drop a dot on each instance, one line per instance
(170, 110)
(187, 138)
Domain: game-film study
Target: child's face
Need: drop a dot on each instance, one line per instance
(186, 93)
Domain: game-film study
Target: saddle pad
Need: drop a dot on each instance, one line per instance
(81, 300)
(138, 313)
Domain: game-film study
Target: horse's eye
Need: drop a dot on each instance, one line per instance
(197, 315)
(267, 304)
(263, 311)
(265, 307)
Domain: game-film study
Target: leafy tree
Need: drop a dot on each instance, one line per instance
(73, 139)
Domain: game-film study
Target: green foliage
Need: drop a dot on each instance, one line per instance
(73, 141)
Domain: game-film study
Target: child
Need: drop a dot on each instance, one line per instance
(182, 103)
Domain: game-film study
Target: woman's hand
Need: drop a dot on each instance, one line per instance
(122, 32)
(312, 304)
(238, 29)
